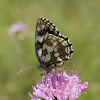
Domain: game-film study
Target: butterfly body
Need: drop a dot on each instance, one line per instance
(52, 49)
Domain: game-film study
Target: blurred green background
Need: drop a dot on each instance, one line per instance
(77, 19)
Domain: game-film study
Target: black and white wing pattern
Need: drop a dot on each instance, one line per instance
(52, 49)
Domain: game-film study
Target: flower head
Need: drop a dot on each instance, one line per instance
(18, 30)
(59, 86)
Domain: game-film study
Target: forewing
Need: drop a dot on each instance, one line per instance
(40, 37)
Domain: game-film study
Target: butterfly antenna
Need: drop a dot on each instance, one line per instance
(26, 69)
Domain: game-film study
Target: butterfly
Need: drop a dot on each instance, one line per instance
(52, 49)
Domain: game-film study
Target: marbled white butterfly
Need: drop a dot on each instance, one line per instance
(52, 49)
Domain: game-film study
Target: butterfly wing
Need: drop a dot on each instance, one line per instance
(40, 37)
(52, 48)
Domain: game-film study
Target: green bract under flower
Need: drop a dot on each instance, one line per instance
(59, 86)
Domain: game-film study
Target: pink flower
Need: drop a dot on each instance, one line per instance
(17, 28)
(59, 86)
